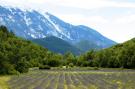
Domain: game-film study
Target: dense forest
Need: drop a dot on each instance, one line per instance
(118, 56)
(18, 55)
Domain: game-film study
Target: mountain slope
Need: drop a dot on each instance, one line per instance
(121, 55)
(85, 45)
(35, 25)
(80, 32)
(57, 45)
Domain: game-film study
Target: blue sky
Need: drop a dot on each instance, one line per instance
(114, 19)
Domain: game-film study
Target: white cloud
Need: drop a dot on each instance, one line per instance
(90, 4)
(126, 19)
(86, 4)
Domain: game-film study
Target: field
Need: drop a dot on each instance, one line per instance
(74, 79)
(3, 82)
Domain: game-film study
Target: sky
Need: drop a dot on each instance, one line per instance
(114, 19)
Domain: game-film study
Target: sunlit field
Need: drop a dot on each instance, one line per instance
(74, 79)
(3, 82)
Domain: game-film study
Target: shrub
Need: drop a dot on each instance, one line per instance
(22, 67)
(7, 68)
(96, 68)
(71, 65)
(44, 67)
(53, 63)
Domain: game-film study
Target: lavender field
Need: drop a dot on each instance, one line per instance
(94, 79)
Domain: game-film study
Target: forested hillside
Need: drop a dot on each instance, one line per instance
(118, 56)
(85, 45)
(57, 45)
(17, 55)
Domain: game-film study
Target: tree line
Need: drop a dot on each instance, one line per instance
(17, 55)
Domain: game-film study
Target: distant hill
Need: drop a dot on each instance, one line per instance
(57, 45)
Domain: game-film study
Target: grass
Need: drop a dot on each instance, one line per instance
(3, 82)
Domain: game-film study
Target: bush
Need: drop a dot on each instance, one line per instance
(96, 68)
(44, 67)
(71, 65)
(22, 67)
(53, 63)
(7, 69)
(85, 64)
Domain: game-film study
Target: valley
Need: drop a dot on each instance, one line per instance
(40, 49)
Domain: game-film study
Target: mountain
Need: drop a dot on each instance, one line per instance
(31, 24)
(57, 45)
(86, 45)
